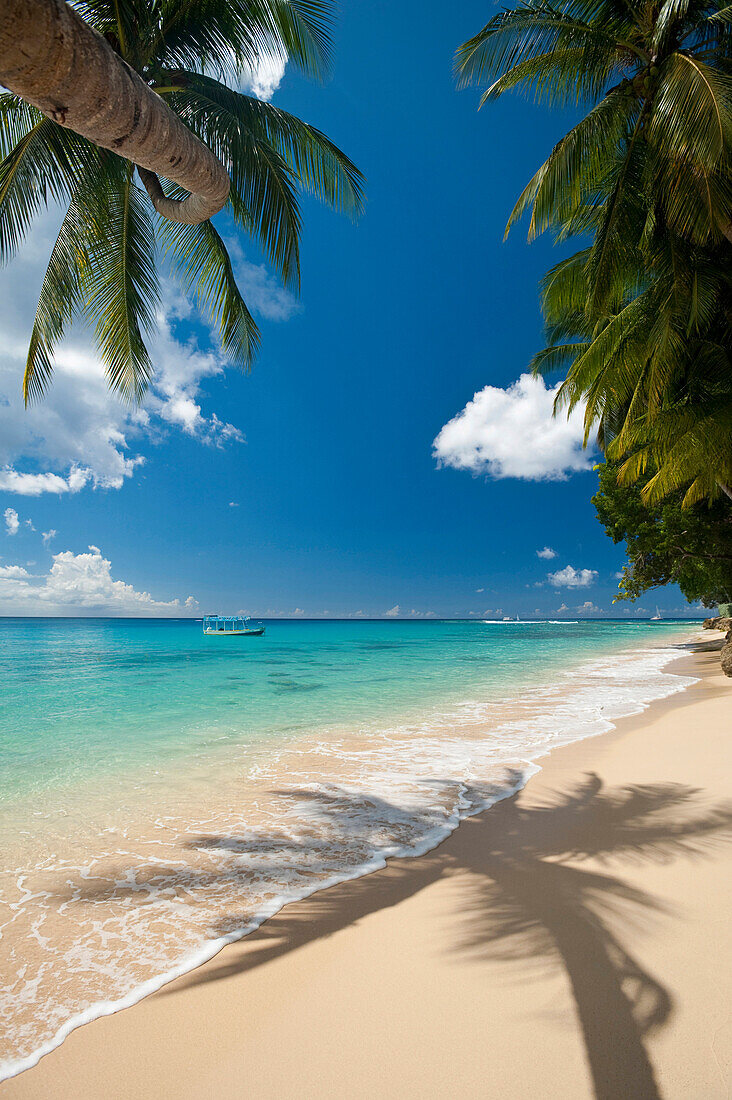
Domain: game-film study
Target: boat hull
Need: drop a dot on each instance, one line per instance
(236, 633)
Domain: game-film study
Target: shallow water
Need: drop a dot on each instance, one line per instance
(163, 792)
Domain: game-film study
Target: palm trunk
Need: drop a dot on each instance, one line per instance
(54, 60)
(725, 489)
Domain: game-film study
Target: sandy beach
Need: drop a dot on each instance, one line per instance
(571, 941)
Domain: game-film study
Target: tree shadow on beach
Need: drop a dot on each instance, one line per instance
(529, 899)
(526, 898)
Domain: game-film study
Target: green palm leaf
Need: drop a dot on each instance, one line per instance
(121, 291)
(200, 260)
(60, 298)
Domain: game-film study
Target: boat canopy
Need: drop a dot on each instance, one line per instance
(226, 624)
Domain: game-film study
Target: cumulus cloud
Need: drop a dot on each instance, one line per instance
(392, 612)
(265, 77)
(80, 436)
(13, 572)
(79, 583)
(12, 523)
(569, 577)
(32, 485)
(562, 608)
(47, 536)
(480, 590)
(547, 553)
(511, 433)
(588, 608)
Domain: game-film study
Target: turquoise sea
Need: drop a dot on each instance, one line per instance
(162, 792)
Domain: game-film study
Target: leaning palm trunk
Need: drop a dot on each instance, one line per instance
(51, 58)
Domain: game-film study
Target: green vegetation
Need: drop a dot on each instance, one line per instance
(639, 319)
(104, 265)
(667, 543)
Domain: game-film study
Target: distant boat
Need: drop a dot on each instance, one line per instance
(657, 616)
(231, 626)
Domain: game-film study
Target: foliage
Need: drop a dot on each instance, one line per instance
(104, 265)
(640, 318)
(667, 543)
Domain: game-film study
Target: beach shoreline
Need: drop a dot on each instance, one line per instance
(352, 909)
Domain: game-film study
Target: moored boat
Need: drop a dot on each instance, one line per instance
(232, 626)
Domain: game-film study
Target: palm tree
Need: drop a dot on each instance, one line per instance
(654, 369)
(655, 143)
(640, 317)
(157, 70)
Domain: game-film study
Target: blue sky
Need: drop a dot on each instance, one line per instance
(310, 486)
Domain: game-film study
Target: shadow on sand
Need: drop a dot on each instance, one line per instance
(526, 898)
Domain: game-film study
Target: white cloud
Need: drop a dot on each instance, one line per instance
(562, 608)
(392, 612)
(47, 536)
(547, 553)
(569, 577)
(233, 503)
(79, 583)
(12, 523)
(264, 295)
(32, 485)
(480, 590)
(511, 433)
(13, 572)
(264, 79)
(588, 608)
(298, 611)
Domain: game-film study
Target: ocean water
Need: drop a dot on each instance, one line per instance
(163, 792)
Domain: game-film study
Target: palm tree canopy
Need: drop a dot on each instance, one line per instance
(658, 82)
(640, 318)
(104, 264)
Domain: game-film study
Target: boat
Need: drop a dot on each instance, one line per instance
(235, 626)
(657, 616)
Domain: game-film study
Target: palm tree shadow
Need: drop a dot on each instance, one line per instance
(532, 903)
(530, 899)
(527, 899)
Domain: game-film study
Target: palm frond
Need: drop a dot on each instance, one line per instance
(199, 258)
(60, 297)
(121, 291)
(44, 165)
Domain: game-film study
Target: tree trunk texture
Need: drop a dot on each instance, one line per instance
(54, 60)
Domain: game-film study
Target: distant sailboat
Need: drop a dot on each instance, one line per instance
(657, 616)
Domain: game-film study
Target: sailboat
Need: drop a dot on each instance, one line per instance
(657, 616)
